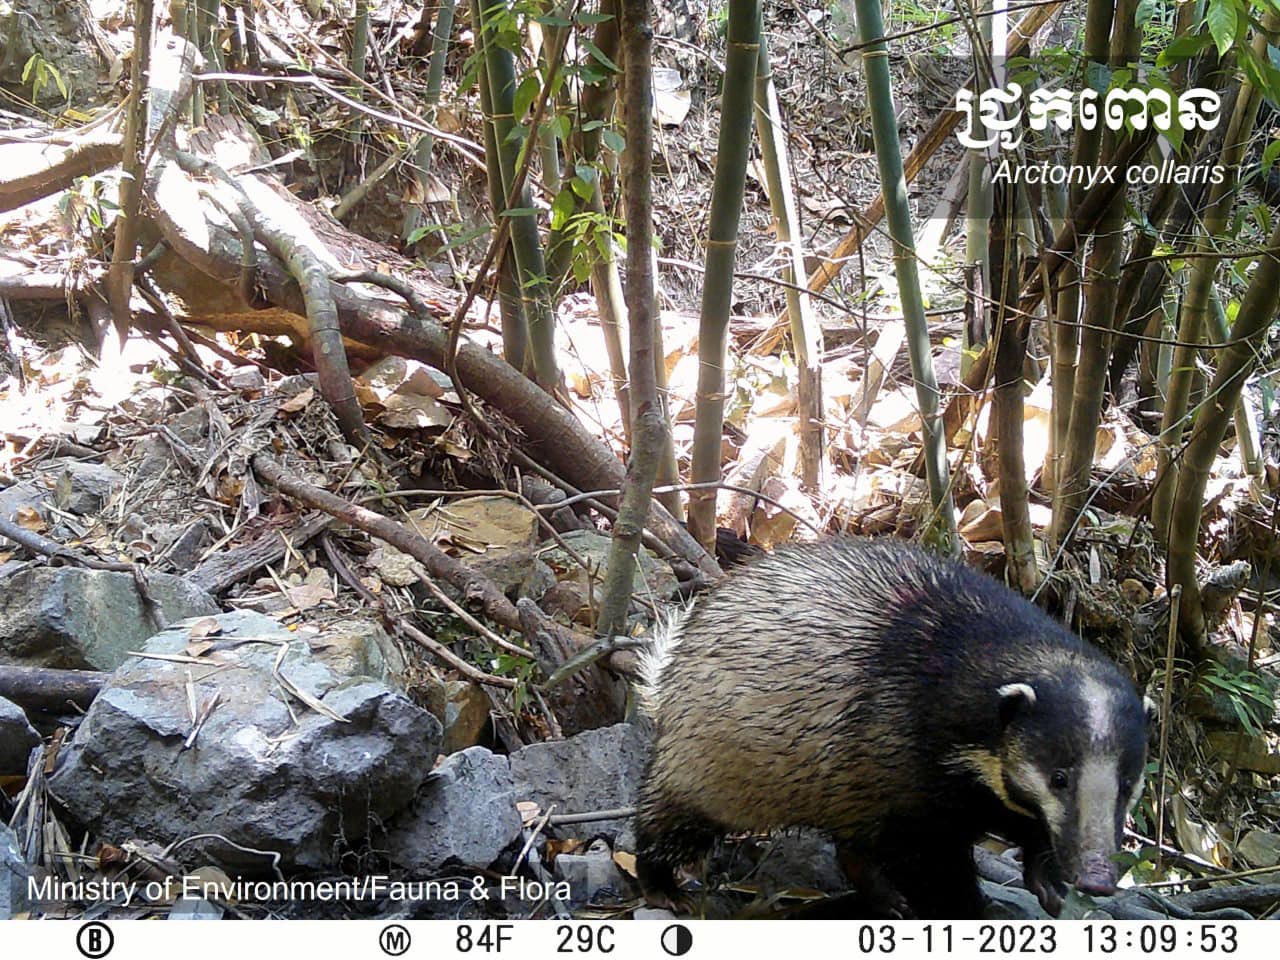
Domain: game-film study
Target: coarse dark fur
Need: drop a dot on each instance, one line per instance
(903, 703)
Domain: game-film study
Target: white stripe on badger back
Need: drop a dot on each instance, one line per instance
(667, 632)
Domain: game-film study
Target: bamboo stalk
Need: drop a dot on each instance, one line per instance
(515, 326)
(359, 58)
(1235, 363)
(1066, 332)
(125, 249)
(649, 424)
(939, 528)
(1011, 333)
(806, 332)
(869, 218)
(531, 266)
(1193, 317)
(440, 36)
(1246, 429)
(733, 148)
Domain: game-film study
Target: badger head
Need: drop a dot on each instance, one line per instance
(1071, 753)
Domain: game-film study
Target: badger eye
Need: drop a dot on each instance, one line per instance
(1059, 780)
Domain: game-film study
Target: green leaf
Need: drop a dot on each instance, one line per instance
(57, 78)
(562, 126)
(562, 208)
(614, 141)
(1097, 76)
(1183, 48)
(598, 54)
(1223, 20)
(525, 95)
(1270, 154)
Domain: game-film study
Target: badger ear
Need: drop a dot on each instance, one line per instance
(1151, 710)
(1014, 699)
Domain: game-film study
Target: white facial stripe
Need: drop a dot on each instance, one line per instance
(1098, 706)
(986, 766)
(1097, 790)
(1035, 782)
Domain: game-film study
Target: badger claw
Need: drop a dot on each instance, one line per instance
(1039, 873)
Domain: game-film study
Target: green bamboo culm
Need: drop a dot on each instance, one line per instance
(733, 148)
(806, 332)
(515, 326)
(1066, 331)
(1196, 313)
(435, 80)
(1236, 362)
(940, 532)
(525, 243)
(359, 58)
(1101, 284)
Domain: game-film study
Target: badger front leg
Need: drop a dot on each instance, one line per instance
(1041, 872)
(877, 895)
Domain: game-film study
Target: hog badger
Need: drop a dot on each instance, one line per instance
(904, 704)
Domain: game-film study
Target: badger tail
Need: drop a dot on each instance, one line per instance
(654, 659)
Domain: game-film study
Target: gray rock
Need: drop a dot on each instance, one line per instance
(463, 815)
(653, 578)
(187, 908)
(60, 33)
(799, 859)
(517, 574)
(651, 913)
(1010, 903)
(360, 648)
(302, 787)
(595, 770)
(86, 619)
(20, 495)
(85, 488)
(248, 379)
(17, 738)
(13, 876)
(1260, 848)
(463, 708)
(591, 875)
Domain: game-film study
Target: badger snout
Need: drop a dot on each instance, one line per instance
(1097, 876)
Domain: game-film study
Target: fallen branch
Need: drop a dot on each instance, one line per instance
(56, 551)
(45, 690)
(592, 701)
(38, 168)
(221, 570)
